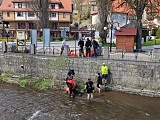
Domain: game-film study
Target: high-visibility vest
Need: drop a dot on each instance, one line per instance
(104, 70)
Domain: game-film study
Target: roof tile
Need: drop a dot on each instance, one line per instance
(65, 3)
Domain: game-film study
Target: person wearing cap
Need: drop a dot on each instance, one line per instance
(71, 71)
(89, 87)
(104, 72)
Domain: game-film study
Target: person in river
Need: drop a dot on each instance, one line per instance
(99, 82)
(72, 86)
(71, 71)
(90, 88)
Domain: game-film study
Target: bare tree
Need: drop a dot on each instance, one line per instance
(138, 6)
(104, 10)
(41, 9)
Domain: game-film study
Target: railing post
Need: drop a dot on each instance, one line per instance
(53, 50)
(122, 54)
(136, 56)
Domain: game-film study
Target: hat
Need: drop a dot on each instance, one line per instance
(104, 63)
(71, 68)
(89, 78)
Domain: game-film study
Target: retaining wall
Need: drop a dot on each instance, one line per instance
(123, 74)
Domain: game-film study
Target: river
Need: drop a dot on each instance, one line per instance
(29, 104)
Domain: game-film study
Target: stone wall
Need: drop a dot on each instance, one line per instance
(125, 74)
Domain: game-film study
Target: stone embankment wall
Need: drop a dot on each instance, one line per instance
(128, 76)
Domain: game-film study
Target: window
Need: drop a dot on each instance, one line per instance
(8, 14)
(53, 14)
(30, 6)
(19, 14)
(64, 15)
(21, 26)
(9, 5)
(30, 14)
(19, 5)
(53, 6)
(32, 26)
(54, 26)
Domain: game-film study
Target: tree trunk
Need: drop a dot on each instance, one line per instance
(139, 36)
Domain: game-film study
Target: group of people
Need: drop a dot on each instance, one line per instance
(88, 45)
(89, 85)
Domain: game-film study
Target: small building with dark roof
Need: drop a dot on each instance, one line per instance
(125, 38)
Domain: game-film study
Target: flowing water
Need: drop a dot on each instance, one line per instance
(30, 104)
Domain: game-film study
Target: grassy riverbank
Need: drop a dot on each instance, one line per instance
(35, 82)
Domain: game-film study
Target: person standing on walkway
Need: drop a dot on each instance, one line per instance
(88, 47)
(62, 47)
(90, 88)
(104, 72)
(95, 47)
(81, 45)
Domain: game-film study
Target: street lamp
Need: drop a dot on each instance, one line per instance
(105, 28)
(91, 27)
(111, 37)
(111, 28)
(7, 31)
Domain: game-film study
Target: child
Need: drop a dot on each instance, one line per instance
(99, 82)
(89, 87)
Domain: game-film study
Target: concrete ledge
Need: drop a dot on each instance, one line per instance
(143, 92)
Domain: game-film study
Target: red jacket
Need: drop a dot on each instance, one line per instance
(72, 82)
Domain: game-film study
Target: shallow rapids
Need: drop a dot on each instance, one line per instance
(29, 104)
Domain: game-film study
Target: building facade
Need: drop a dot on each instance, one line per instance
(19, 17)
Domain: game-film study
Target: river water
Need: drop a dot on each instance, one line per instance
(29, 104)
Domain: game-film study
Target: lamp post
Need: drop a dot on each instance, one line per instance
(105, 28)
(111, 37)
(75, 44)
(7, 31)
(91, 27)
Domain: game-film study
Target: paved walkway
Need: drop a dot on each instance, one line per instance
(56, 46)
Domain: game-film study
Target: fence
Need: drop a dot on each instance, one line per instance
(54, 50)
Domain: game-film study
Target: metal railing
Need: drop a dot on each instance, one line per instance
(54, 50)
(142, 56)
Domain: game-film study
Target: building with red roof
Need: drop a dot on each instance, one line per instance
(125, 39)
(20, 18)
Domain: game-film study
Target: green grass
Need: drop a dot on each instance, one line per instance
(108, 44)
(147, 43)
(152, 42)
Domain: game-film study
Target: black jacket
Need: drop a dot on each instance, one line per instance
(95, 44)
(88, 43)
(81, 43)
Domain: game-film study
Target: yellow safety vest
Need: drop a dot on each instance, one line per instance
(104, 70)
